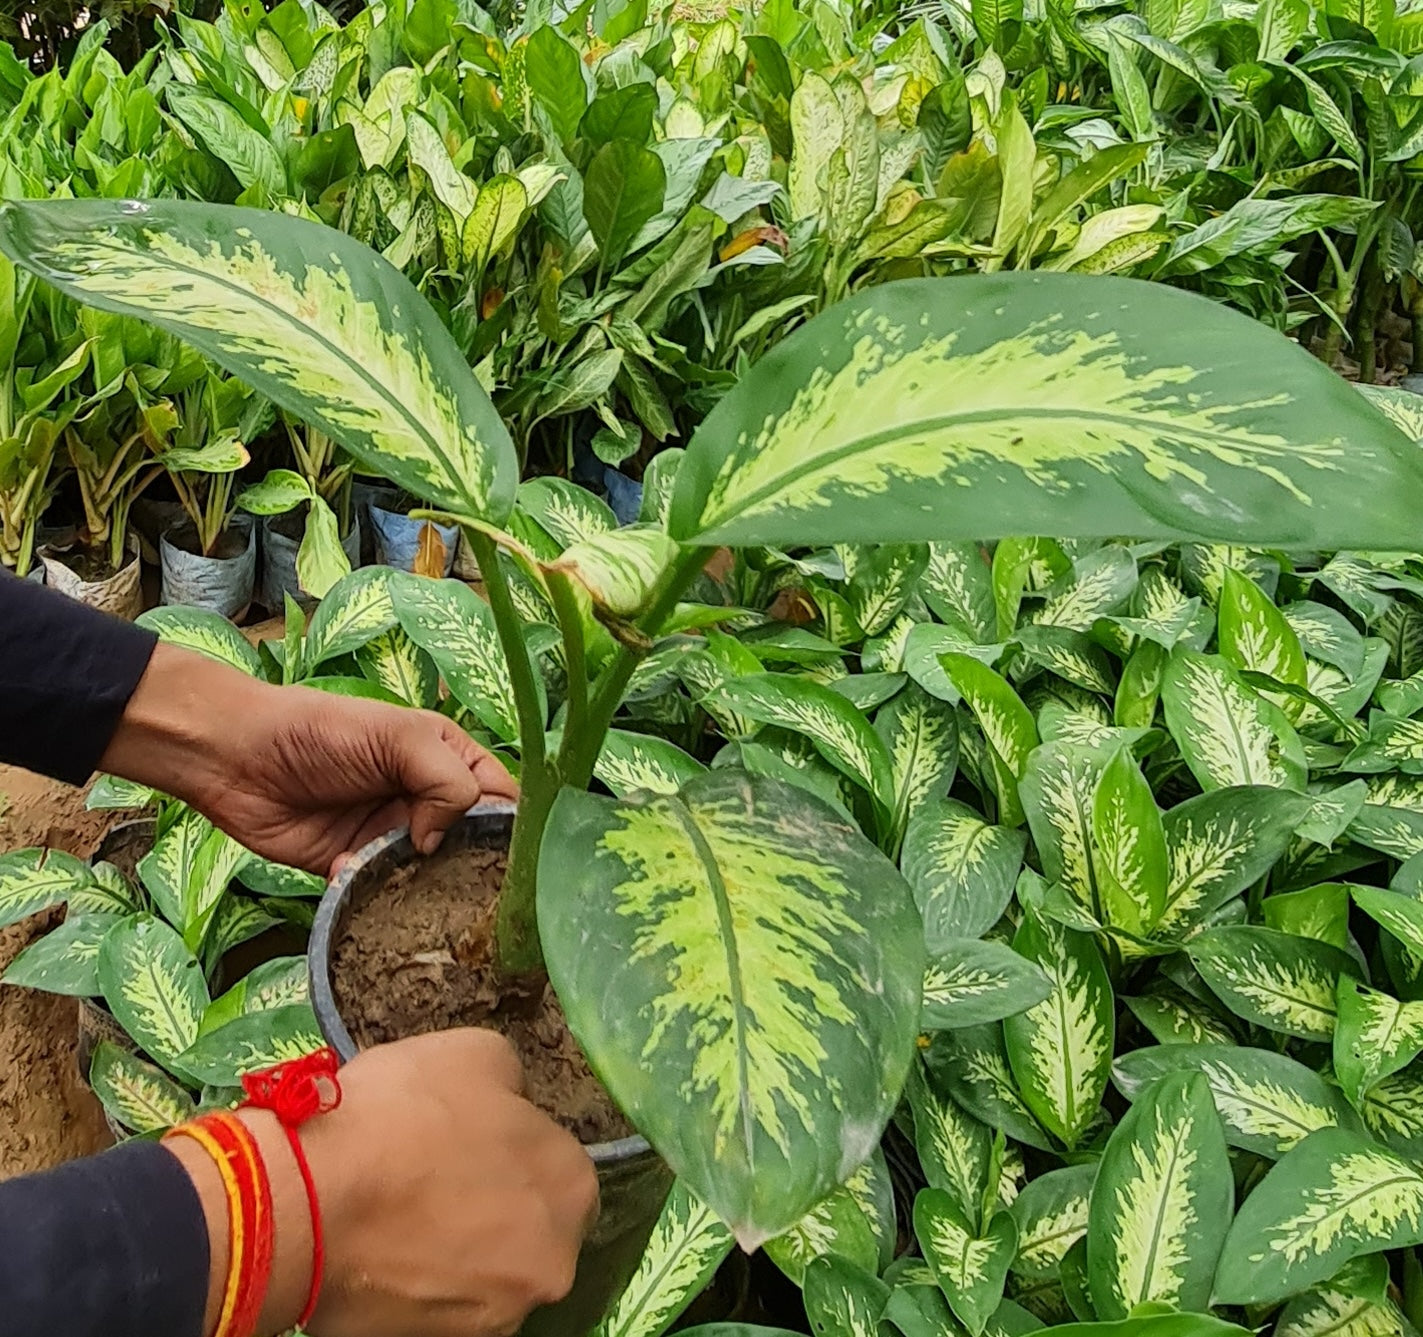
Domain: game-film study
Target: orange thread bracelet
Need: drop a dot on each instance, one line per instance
(296, 1091)
(250, 1230)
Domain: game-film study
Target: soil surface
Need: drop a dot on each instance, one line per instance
(419, 957)
(46, 1115)
(230, 543)
(91, 565)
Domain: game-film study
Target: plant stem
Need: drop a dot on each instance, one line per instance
(517, 925)
(570, 623)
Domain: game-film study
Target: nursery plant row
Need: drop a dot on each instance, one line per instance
(1035, 932)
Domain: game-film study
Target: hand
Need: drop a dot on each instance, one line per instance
(298, 775)
(451, 1206)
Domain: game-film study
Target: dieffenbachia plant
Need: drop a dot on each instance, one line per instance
(765, 958)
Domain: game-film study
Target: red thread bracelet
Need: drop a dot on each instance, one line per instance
(296, 1091)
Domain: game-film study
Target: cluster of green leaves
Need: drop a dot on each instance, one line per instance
(618, 212)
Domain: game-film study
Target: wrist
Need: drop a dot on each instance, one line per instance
(177, 732)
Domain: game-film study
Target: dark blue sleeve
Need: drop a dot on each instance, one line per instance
(66, 675)
(111, 1246)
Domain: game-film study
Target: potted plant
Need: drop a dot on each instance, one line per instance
(741, 966)
(305, 556)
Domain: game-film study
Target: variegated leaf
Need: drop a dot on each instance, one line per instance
(836, 1227)
(842, 1300)
(356, 609)
(1227, 733)
(139, 1095)
(1330, 1313)
(1098, 585)
(1376, 1035)
(902, 415)
(1393, 1111)
(687, 1246)
(1162, 1201)
(167, 868)
(972, 1066)
(66, 959)
(1058, 783)
(955, 1149)
(1130, 845)
(454, 626)
(38, 879)
(630, 762)
(153, 985)
(1400, 914)
(276, 879)
(1061, 1049)
(568, 513)
(309, 317)
(1006, 723)
(1268, 1102)
(968, 983)
(1072, 656)
(921, 736)
(207, 633)
(1176, 1018)
(1327, 635)
(1273, 979)
(621, 568)
(109, 792)
(1220, 843)
(253, 1041)
(883, 580)
(962, 870)
(839, 732)
(971, 1266)
(1051, 1214)
(393, 661)
(958, 584)
(1254, 635)
(769, 959)
(1335, 1196)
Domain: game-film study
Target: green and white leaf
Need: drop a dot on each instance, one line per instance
(1268, 1102)
(1057, 787)
(1162, 1201)
(630, 762)
(836, 1227)
(1051, 1213)
(1272, 979)
(65, 960)
(1329, 1313)
(309, 317)
(393, 661)
(251, 1042)
(962, 869)
(972, 1267)
(1007, 727)
(454, 626)
(138, 1095)
(955, 1149)
(1139, 413)
(972, 1066)
(687, 1246)
(770, 960)
(958, 582)
(1130, 846)
(1376, 1035)
(38, 879)
(620, 569)
(1061, 1049)
(1334, 1197)
(355, 611)
(842, 1298)
(970, 982)
(1400, 914)
(207, 633)
(921, 735)
(153, 985)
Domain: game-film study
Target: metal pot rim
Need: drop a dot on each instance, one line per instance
(495, 816)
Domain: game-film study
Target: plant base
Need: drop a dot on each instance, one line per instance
(404, 946)
(118, 592)
(222, 583)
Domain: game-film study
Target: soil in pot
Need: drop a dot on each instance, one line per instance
(230, 543)
(419, 957)
(91, 565)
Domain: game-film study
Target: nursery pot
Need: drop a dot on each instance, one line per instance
(120, 593)
(221, 584)
(397, 539)
(279, 549)
(632, 1178)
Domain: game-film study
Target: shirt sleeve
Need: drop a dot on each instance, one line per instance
(112, 1246)
(66, 675)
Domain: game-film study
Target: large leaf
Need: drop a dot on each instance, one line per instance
(1273, 979)
(768, 962)
(1045, 403)
(1061, 1049)
(306, 315)
(955, 1149)
(1268, 1102)
(154, 985)
(355, 610)
(65, 960)
(251, 1042)
(1375, 1035)
(962, 869)
(1335, 1196)
(207, 633)
(687, 1246)
(1162, 1201)
(1052, 1215)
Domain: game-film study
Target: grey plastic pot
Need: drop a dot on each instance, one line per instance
(222, 585)
(633, 1179)
(278, 576)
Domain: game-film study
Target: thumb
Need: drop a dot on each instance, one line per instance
(436, 774)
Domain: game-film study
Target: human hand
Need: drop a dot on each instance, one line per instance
(297, 775)
(451, 1207)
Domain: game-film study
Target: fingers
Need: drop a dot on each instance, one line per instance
(444, 777)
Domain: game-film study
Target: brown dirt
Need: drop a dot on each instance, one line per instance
(46, 1116)
(419, 958)
(91, 565)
